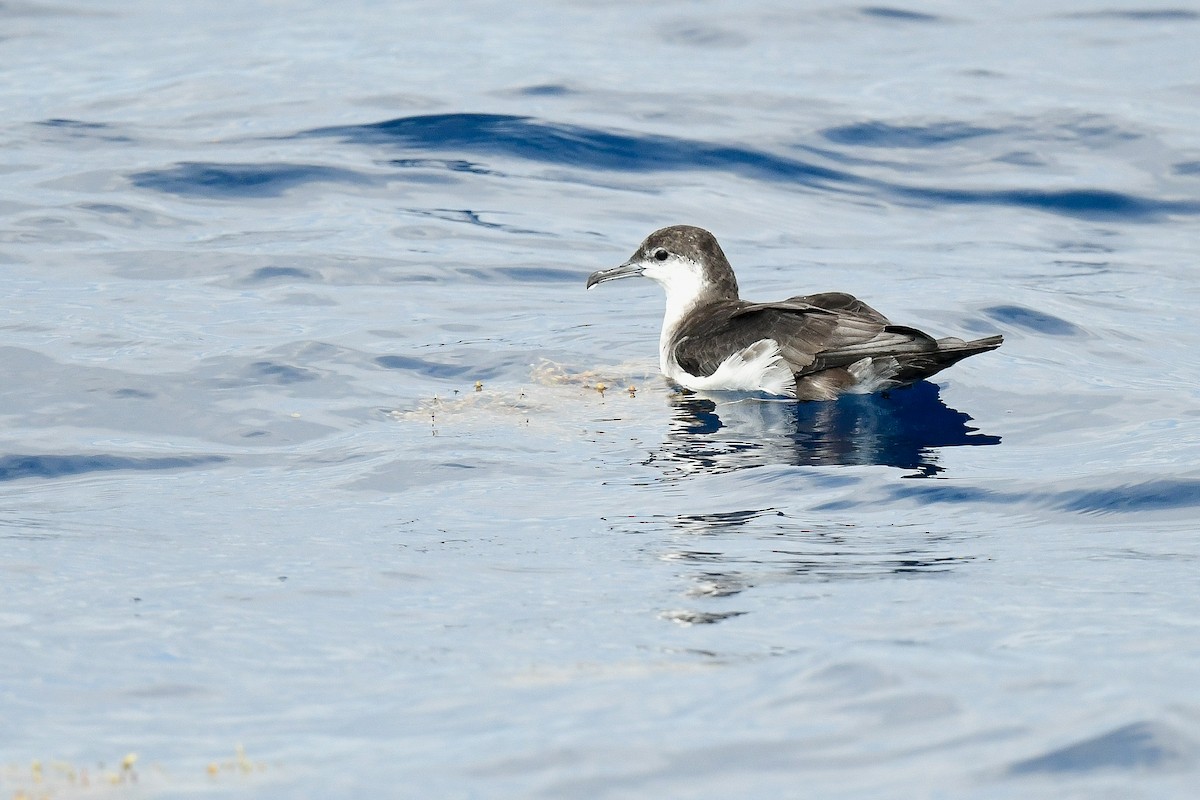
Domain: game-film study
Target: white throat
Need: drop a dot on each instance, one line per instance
(684, 288)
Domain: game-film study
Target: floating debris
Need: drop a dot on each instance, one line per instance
(241, 764)
(126, 777)
(549, 373)
(553, 389)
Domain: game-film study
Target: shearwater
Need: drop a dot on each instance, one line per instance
(808, 347)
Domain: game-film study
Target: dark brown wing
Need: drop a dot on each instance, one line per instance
(814, 332)
(802, 328)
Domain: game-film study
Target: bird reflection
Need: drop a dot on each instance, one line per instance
(902, 428)
(725, 554)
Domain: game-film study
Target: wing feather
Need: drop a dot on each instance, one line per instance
(814, 333)
(829, 341)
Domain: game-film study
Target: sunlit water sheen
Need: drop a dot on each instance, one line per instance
(304, 446)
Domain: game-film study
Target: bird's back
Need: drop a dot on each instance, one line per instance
(832, 342)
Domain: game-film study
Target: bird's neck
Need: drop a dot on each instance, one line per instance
(682, 301)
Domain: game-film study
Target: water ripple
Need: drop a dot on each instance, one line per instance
(881, 134)
(241, 180)
(575, 146)
(1141, 745)
(898, 14)
(17, 467)
(594, 149)
(1163, 494)
(1030, 319)
(1140, 15)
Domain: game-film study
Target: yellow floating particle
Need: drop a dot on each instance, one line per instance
(295, 415)
(479, 386)
(212, 768)
(601, 387)
(632, 390)
(128, 761)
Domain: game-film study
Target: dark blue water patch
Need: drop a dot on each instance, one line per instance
(592, 149)
(433, 369)
(1187, 168)
(838, 505)
(1140, 15)
(1029, 319)
(881, 134)
(929, 494)
(1097, 204)
(832, 480)
(1141, 745)
(18, 467)
(1098, 131)
(1157, 495)
(897, 14)
(469, 217)
(104, 208)
(575, 146)
(132, 394)
(267, 274)
(541, 274)
(545, 90)
(279, 374)
(72, 123)
(853, 158)
(1021, 158)
(1084, 247)
(80, 129)
(1160, 495)
(449, 164)
(196, 179)
(702, 36)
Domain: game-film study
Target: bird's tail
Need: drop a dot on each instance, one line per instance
(949, 351)
(952, 344)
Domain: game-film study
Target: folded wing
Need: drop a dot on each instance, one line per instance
(824, 338)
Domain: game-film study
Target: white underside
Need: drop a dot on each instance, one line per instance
(761, 368)
(757, 368)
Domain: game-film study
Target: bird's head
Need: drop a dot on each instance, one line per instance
(686, 261)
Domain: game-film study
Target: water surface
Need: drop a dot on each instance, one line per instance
(304, 451)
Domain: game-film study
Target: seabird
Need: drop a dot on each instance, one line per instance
(809, 347)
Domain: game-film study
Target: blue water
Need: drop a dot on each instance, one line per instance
(304, 451)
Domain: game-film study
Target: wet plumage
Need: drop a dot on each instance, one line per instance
(810, 347)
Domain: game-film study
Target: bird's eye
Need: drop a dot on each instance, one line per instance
(660, 255)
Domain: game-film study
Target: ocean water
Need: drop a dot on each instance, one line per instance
(321, 475)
